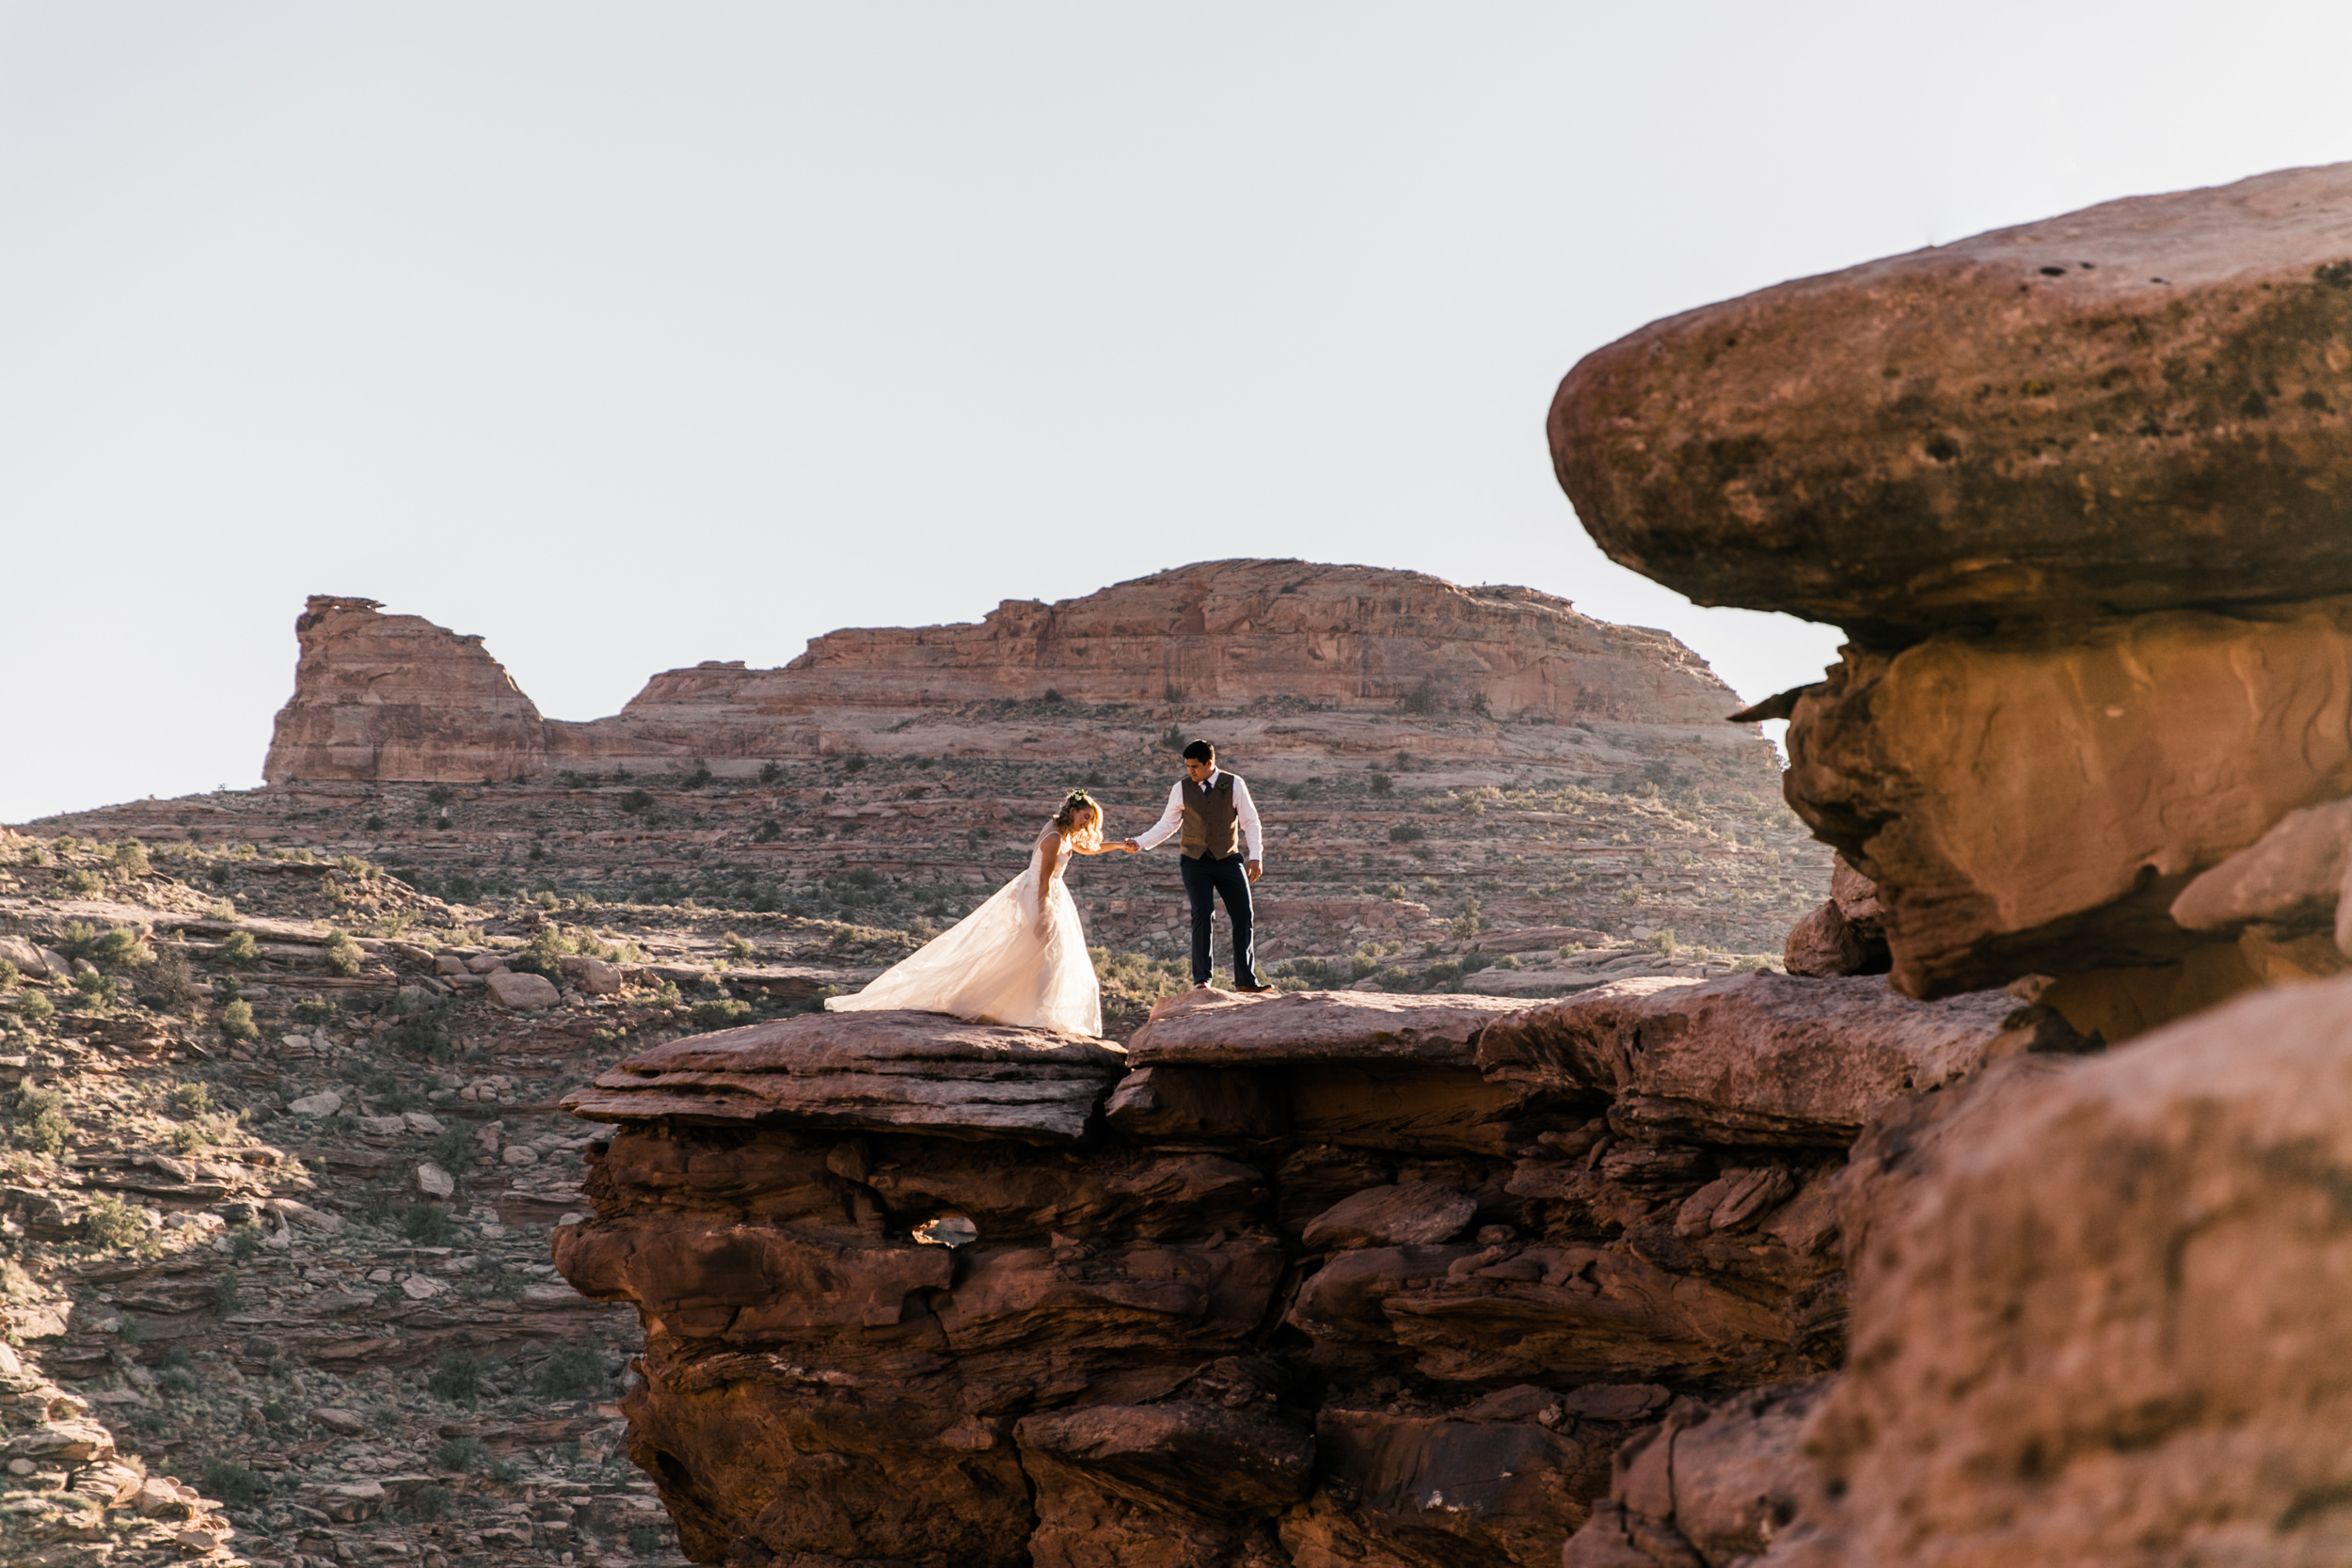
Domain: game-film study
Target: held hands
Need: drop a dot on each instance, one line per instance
(1127, 844)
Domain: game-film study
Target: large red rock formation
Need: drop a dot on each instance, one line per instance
(2078, 489)
(396, 697)
(382, 697)
(1326, 1279)
(2137, 407)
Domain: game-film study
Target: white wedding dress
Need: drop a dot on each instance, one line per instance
(1001, 963)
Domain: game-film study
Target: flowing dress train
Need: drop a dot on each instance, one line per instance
(1001, 963)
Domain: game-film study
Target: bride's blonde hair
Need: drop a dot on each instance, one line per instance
(1066, 820)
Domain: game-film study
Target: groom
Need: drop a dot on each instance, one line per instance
(1223, 854)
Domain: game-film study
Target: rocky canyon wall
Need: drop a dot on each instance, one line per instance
(394, 698)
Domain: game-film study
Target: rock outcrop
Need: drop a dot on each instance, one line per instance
(1323, 1278)
(380, 697)
(2134, 408)
(2098, 1308)
(2077, 491)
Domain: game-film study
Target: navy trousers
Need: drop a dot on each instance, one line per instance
(1229, 879)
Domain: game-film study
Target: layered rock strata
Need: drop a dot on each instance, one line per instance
(392, 697)
(1323, 1279)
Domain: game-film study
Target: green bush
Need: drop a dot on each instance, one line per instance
(7, 975)
(190, 1099)
(244, 1242)
(643, 1540)
(96, 993)
(35, 1006)
(430, 1502)
(238, 950)
(122, 948)
(316, 1010)
(457, 1380)
(169, 985)
(225, 1293)
(458, 1453)
(342, 954)
(1662, 941)
(236, 1020)
(1405, 832)
(115, 1225)
(574, 1372)
(720, 1012)
(231, 1483)
(428, 1225)
(1382, 784)
(38, 1121)
(80, 884)
(738, 950)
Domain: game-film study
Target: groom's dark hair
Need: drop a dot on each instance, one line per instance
(1199, 751)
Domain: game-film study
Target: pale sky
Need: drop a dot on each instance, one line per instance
(630, 336)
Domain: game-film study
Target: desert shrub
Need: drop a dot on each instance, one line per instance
(699, 777)
(458, 1453)
(1405, 832)
(7, 975)
(574, 1372)
(457, 1380)
(855, 764)
(238, 950)
(236, 1020)
(1420, 699)
(226, 1296)
(1393, 978)
(721, 1012)
(430, 1502)
(441, 795)
(79, 883)
(95, 992)
(169, 985)
(231, 1483)
(1382, 784)
(244, 1241)
(131, 860)
(34, 1005)
(122, 948)
(36, 1120)
(315, 1010)
(115, 1225)
(769, 772)
(738, 950)
(1662, 941)
(342, 954)
(1474, 962)
(428, 1225)
(643, 1540)
(189, 1099)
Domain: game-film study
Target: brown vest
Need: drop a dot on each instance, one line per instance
(1212, 826)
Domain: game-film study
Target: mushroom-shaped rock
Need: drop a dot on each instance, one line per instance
(2135, 407)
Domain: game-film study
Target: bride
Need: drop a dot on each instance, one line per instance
(1019, 959)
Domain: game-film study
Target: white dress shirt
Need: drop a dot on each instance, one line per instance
(1245, 811)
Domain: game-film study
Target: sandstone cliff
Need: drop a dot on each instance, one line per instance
(382, 698)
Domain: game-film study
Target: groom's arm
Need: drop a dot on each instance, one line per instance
(1170, 819)
(1252, 834)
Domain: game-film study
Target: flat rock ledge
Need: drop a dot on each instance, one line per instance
(884, 1072)
(1214, 1028)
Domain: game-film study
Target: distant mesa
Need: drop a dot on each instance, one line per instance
(395, 698)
